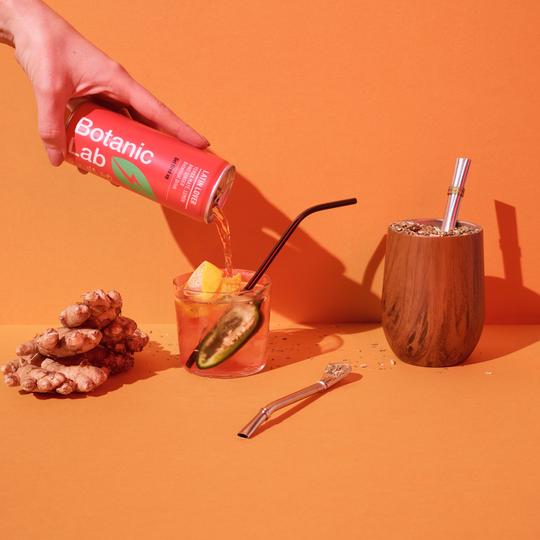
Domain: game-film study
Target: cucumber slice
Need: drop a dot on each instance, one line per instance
(230, 333)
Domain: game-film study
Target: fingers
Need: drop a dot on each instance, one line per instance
(154, 111)
(51, 125)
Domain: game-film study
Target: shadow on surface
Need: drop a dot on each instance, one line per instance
(508, 301)
(148, 363)
(497, 341)
(280, 417)
(309, 282)
(293, 345)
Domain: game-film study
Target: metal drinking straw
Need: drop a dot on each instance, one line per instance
(333, 373)
(455, 193)
(292, 227)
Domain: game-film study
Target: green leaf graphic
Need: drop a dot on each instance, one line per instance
(132, 177)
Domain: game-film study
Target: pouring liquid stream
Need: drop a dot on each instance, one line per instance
(224, 232)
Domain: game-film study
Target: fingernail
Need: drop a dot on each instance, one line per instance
(194, 138)
(55, 156)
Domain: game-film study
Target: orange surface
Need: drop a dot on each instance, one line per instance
(397, 452)
(312, 101)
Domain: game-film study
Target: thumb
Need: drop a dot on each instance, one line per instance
(51, 126)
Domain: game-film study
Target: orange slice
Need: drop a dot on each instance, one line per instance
(231, 285)
(206, 281)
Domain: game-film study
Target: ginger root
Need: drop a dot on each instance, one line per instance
(52, 376)
(94, 341)
(103, 358)
(98, 309)
(123, 336)
(60, 342)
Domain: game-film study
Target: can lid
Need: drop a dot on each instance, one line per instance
(70, 109)
(220, 192)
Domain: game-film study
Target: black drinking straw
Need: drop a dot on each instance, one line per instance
(277, 248)
(292, 227)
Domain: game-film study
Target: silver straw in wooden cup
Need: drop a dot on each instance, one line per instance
(455, 193)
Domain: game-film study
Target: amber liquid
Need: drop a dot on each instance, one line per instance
(224, 232)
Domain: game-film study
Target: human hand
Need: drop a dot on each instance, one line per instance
(61, 65)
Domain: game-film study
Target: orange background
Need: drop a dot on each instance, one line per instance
(312, 101)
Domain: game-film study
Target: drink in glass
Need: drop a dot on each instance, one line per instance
(223, 333)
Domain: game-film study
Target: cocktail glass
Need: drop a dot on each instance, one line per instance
(197, 315)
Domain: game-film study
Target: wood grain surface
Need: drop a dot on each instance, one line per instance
(433, 297)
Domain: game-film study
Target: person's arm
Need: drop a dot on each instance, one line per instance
(61, 64)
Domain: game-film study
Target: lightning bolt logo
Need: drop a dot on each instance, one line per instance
(131, 177)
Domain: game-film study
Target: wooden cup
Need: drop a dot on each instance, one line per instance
(433, 296)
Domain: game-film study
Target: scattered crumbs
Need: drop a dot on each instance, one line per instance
(381, 365)
(382, 350)
(392, 362)
(284, 338)
(488, 372)
(363, 365)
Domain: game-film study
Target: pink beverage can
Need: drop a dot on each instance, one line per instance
(146, 161)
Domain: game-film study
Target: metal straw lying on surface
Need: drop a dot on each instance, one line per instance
(332, 374)
(455, 193)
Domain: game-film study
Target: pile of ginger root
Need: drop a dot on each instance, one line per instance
(95, 340)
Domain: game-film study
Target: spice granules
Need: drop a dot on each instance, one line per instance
(415, 228)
